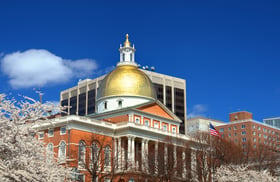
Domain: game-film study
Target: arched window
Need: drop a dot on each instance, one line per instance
(131, 180)
(95, 156)
(82, 152)
(50, 147)
(107, 156)
(62, 150)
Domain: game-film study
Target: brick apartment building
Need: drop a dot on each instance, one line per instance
(250, 134)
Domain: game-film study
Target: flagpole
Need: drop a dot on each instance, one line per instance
(211, 156)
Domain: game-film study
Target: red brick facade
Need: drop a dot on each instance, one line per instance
(249, 134)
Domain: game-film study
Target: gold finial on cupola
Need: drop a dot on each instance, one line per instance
(126, 43)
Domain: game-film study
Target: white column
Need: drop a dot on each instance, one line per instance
(146, 155)
(142, 154)
(193, 163)
(165, 157)
(123, 155)
(119, 152)
(137, 159)
(115, 153)
(156, 157)
(184, 172)
(175, 158)
(129, 151)
(133, 152)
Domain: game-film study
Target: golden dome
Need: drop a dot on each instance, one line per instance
(126, 80)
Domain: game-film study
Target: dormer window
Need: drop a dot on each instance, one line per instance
(105, 105)
(120, 103)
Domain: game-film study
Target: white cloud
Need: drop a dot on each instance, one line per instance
(38, 67)
(197, 110)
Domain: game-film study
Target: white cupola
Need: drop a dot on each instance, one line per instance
(127, 53)
(126, 85)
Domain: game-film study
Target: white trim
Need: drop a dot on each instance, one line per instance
(113, 130)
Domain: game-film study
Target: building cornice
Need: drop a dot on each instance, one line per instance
(110, 129)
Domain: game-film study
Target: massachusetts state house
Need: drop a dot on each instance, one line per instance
(132, 136)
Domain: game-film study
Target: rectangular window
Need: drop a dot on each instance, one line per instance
(264, 129)
(64, 103)
(260, 135)
(234, 127)
(91, 101)
(254, 139)
(243, 139)
(73, 104)
(82, 104)
(259, 128)
(222, 130)
(147, 123)
(168, 97)
(41, 135)
(243, 132)
(159, 91)
(137, 120)
(179, 99)
(254, 133)
(254, 126)
(63, 130)
(50, 132)
(173, 129)
(229, 135)
(235, 134)
(156, 125)
(243, 126)
(164, 127)
(229, 128)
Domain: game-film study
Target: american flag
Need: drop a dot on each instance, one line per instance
(213, 131)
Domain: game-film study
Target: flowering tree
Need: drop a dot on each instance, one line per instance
(241, 173)
(22, 156)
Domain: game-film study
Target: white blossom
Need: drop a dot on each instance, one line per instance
(238, 173)
(22, 156)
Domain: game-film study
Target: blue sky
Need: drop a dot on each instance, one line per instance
(228, 51)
